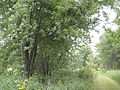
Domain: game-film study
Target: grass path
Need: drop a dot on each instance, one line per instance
(102, 82)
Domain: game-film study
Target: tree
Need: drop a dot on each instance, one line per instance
(109, 50)
(108, 47)
(42, 32)
(82, 55)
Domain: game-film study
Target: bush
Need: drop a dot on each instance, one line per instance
(88, 72)
(61, 80)
(69, 80)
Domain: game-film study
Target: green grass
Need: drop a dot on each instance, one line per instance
(7, 83)
(61, 80)
(114, 74)
(102, 82)
(85, 79)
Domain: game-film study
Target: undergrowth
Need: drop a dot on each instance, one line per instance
(61, 80)
(114, 74)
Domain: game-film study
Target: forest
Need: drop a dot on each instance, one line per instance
(45, 45)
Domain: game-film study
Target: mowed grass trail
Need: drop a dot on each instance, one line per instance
(102, 82)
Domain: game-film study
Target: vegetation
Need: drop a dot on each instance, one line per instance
(44, 45)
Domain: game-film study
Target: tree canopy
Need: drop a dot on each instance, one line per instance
(41, 32)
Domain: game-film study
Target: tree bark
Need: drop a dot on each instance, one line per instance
(27, 59)
(31, 56)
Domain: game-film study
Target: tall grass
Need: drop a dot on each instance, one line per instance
(61, 80)
(7, 82)
(114, 74)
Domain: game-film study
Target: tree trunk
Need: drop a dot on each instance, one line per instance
(31, 56)
(27, 60)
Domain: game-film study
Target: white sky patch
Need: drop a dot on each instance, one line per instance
(108, 24)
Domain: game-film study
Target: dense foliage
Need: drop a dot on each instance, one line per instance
(39, 35)
(44, 45)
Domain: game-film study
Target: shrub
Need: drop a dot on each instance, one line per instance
(61, 80)
(88, 72)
